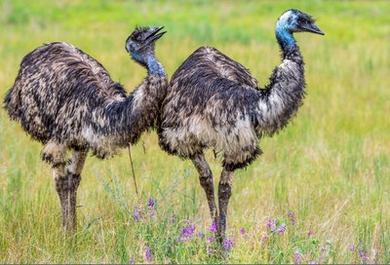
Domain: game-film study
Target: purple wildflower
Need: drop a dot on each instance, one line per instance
(298, 257)
(213, 227)
(271, 224)
(281, 229)
(148, 257)
(151, 202)
(363, 255)
(187, 232)
(242, 231)
(313, 262)
(227, 244)
(136, 214)
(132, 260)
(292, 217)
(211, 239)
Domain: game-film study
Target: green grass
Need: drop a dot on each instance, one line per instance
(330, 166)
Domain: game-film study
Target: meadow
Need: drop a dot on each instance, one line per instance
(320, 193)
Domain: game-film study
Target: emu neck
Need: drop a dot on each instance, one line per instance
(287, 44)
(128, 117)
(285, 92)
(154, 66)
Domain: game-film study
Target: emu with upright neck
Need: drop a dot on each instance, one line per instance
(285, 92)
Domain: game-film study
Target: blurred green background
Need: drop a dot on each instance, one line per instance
(326, 176)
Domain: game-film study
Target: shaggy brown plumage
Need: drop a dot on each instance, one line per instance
(66, 99)
(214, 102)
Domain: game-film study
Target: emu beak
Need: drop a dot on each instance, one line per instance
(312, 28)
(155, 35)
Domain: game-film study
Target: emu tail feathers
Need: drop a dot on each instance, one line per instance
(10, 105)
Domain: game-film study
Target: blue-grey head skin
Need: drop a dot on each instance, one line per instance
(293, 21)
(140, 46)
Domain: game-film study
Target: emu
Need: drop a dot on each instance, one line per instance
(66, 100)
(214, 102)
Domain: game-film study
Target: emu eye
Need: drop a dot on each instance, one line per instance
(301, 20)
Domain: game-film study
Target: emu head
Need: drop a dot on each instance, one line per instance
(140, 43)
(294, 20)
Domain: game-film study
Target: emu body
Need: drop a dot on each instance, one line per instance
(62, 96)
(65, 99)
(214, 102)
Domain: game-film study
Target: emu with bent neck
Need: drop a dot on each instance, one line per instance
(130, 117)
(155, 67)
(285, 91)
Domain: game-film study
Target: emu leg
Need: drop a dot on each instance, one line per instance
(224, 193)
(206, 181)
(60, 179)
(74, 170)
(67, 180)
